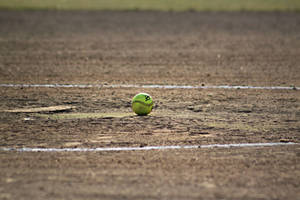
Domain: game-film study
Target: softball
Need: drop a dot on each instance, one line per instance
(142, 104)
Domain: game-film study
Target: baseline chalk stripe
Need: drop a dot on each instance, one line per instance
(26, 149)
(151, 86)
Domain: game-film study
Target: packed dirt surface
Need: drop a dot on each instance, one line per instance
(269, 173)
(180, 117)
(189, 48)
(150, 47)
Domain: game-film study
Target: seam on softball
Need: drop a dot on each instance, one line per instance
(138, 101)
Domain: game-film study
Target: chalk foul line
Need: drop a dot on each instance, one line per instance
(146, 148)
(150, 86)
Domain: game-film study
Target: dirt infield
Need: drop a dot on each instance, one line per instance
(189, 48)
(150, 47)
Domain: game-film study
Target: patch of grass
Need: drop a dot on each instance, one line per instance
(162, 5)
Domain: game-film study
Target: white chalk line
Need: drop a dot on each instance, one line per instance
(150, 86)
(146, 148)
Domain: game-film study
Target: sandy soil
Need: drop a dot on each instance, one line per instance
(259, 49)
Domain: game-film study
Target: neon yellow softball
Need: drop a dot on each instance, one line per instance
(142, 104)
